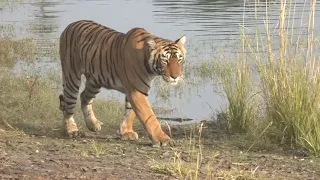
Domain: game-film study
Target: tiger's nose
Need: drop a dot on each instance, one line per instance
(174, 76)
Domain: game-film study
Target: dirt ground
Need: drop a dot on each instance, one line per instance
(103, 156)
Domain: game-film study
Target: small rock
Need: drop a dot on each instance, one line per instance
(71, 176)
(96, 168)
(300, 153)
(52, 160)
(166, 154)
(85, 169)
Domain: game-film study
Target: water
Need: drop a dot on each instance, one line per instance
(210, 25)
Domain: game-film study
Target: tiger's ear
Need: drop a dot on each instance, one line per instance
(151, 43)
(181, 41)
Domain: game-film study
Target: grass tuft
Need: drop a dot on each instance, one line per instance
(235, 81)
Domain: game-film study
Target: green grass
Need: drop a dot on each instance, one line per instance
(234, 79)
(12, 50)
(9, 4)
(31, 106)
(236, 84)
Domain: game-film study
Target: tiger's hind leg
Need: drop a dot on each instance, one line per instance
(126, 130)
(68, 102)
(87, 96)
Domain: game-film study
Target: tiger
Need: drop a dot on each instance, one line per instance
(125, 62)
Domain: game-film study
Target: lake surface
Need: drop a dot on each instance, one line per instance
(210, 26)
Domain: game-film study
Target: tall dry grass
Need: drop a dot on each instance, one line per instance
(289, 79)
(291, 83)
(272, 87)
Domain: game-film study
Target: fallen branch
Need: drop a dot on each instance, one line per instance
(175, 119)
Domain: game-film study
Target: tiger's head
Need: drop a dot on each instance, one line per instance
(167, 58)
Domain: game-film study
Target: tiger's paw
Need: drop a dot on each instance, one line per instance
(129, 136)
(163, 141)
(73, 134)
(94, 125)
(72, 129)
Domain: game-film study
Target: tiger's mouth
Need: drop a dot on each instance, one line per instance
(170, 80)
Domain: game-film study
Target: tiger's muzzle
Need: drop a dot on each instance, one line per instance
(172, 72)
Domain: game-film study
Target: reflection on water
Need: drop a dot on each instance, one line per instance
(210, 25)
(218, 21)
(45, 25)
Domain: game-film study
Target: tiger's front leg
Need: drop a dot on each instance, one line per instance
(142, 109)
(126, 130)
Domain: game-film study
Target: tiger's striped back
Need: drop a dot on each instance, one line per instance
(83, 47)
